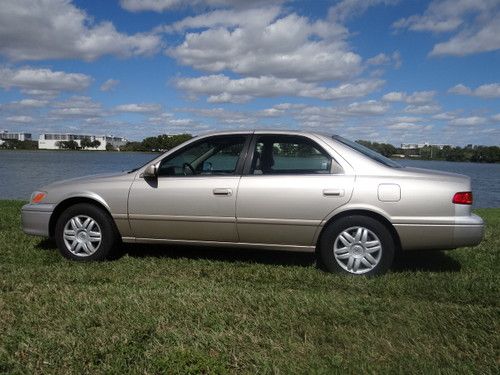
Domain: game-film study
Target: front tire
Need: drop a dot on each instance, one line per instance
(85, 232)
(357, 245)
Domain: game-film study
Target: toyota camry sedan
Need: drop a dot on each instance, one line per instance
(294, 191)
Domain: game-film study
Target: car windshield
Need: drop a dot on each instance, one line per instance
(367, 152)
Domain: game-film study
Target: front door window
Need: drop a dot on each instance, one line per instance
(214, 156)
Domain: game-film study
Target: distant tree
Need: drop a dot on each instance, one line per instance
(133, 146)
(164, 142)
(109, 147)
(14, 144)
(69, 145)
(385, 149)
(95, 144)
(86, 142)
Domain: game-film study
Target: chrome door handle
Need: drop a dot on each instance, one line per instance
(333, 192)
(222, 192)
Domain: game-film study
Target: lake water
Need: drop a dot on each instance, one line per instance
(21, 172)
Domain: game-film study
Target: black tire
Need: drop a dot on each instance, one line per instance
(356, 249)
(106, 226)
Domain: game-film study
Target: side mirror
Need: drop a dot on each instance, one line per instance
(150, 172)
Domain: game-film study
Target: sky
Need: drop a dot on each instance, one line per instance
(379, 70)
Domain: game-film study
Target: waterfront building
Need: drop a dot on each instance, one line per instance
(51, 141)
(417, 146)
(6, 136)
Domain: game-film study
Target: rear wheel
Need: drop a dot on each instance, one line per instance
(357, 245)
(85, 232)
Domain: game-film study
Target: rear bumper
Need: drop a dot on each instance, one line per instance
(466, 231)
(35, 219)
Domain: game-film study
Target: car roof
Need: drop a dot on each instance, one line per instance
(265, 131)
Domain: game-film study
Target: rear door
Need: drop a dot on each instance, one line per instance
(291, 184)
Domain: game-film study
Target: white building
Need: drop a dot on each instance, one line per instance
(5, 136)
(51, 141)
(416, 146)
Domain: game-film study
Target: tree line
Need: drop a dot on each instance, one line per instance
(164, 142)
(476, 154)
(159, 143)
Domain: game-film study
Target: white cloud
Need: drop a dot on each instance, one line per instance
(149, 5)
(476, 23)
(444, 116)
(167, 123)
(109, 85)
(25, 104)
(370, 107)
(138, 108)
(222, 89)
(43, 79)
(252, 18)
(384, 59)
(20, 119)
(224, 116)
(468, 121)
(55, 29)
(263, 44)
(165, 5)
(460, 89)
(426, 109)
(487, 91)
(41, 94)
(348, 8)
(416, 98)
(76, 107)
(467, 42)
(496, 117)
(402, 126)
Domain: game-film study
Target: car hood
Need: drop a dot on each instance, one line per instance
(86, 179)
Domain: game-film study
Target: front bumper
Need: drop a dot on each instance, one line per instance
(35, 218)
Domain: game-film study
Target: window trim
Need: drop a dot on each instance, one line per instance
(251, 154)
(239, 164)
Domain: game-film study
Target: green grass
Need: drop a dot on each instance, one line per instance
(196, 310)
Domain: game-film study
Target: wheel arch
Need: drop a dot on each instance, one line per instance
(363, 212)
(71, 201)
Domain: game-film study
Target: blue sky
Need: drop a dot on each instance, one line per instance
(380, 70)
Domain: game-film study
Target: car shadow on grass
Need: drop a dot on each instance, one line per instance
(430, 261)
(425, 260)
(284, 258)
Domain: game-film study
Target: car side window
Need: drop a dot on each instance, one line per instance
(213, 156)
(277, 154)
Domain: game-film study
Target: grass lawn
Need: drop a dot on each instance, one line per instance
(200, 310)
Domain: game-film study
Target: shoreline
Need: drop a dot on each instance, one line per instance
(160, 152)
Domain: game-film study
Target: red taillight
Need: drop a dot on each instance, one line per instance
(464, 197)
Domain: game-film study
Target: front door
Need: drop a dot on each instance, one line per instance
(194, 195)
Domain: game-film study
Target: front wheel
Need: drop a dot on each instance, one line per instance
(357, 245)
(85, 232)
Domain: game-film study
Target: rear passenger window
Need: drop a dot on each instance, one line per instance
(289, 155)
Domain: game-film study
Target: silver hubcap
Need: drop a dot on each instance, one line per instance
(82, 235)
(357, 250)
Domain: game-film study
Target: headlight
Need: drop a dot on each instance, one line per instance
(38, 196)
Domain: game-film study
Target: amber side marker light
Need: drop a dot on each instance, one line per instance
(38, 197)
(463, 197)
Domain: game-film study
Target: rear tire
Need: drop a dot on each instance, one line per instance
(85, 232)
(357, 245)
